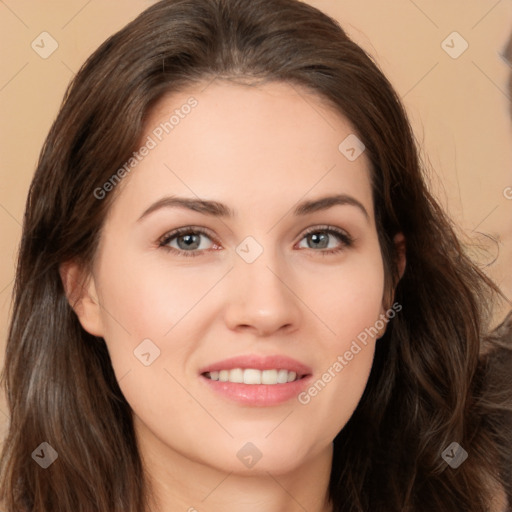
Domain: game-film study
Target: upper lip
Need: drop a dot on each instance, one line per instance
(258, 362)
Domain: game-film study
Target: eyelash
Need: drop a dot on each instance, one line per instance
(345, 239)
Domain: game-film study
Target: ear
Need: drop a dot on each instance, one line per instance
(399, 241)
(400, 261)
(81, 294)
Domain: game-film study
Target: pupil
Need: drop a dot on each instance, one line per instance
(189, 241)
(318, 238)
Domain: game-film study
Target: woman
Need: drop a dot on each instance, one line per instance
(235, 291)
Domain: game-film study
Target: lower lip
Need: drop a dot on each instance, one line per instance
(258, 395)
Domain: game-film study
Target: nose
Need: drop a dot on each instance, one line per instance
(261, 298)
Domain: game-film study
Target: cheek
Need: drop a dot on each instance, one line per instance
(336, 389)
(157, 300)
(141, 301)
(349, 303)
(147, 298)
(346, 298)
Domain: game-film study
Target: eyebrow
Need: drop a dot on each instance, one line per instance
(216, 209)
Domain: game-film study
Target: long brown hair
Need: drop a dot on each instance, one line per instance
(430, 385)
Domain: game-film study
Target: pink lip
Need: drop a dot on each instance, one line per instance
(259, 363)
(258, 395)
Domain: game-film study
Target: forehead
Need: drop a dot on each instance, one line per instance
(247, 145)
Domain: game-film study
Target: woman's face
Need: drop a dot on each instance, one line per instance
(260, 289)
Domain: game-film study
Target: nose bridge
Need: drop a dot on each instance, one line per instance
(261, 295)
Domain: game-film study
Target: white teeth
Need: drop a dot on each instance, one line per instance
(291, 376)
(269, 377)
(253, 376)
(282, 376)
(236, 375)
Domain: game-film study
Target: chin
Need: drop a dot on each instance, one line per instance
(259, 455)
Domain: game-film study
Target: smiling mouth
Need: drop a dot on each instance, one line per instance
(254, 376)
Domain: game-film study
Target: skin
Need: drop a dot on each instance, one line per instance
(259, 150)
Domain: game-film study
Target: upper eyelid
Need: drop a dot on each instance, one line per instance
(174, 233)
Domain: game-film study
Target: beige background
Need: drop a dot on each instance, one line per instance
(459, 107)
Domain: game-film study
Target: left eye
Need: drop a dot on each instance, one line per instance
(320, 239)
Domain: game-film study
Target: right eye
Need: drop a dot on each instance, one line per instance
(187, 241)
